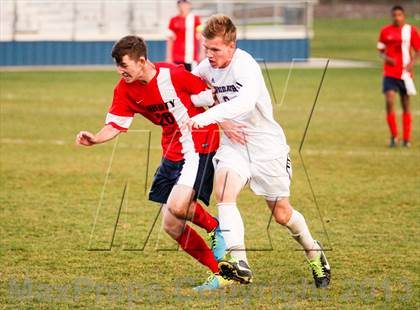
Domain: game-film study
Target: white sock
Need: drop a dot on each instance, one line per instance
(233, 231)
(300, 232)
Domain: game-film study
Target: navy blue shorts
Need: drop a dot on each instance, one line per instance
(390, 83)
(168, 173)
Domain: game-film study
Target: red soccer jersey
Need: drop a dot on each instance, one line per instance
(166, 102)
(397, 43)
(185, 47)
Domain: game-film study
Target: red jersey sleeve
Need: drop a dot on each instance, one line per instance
(120, 114)
(381, 41)
(415, 38)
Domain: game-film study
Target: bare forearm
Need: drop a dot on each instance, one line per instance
(383, 55)
(169, 46)
(105, 134)
(203, 99)
(386, 58)
(415, 57)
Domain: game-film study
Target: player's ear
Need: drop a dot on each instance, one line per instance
(142, 61)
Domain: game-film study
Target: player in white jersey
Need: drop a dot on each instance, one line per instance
(259, 157)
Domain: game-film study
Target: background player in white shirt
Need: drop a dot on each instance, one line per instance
(262, 160)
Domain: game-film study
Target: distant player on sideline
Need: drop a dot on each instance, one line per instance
(161, 93)
(262, 161)
(395, 45)
(184, 39)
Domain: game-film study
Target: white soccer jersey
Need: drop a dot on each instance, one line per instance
(243, 98)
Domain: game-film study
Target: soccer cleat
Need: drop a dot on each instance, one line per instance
(213, 282)
(321, 270)
(217, 243)
(406, 143)
(236, 270)
(393, 142)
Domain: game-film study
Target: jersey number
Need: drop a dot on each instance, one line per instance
(165, 118)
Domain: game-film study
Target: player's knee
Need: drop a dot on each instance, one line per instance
(389, 106)
(282, 218)
(282, 212)
(172, 229)
(225, 194)
(389, 101)
(168, 228)
(406, 106)
(179, 210)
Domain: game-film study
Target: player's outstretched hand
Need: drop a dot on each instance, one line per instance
(191, 125)
(214, 93)
(235, 132)
(85, 138)
(409, 66)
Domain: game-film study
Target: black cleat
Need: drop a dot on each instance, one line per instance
(406, 143)
(321, 270)
(393, 142)
(235, 270)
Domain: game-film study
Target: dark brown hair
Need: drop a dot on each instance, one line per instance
(397, 8)
(133, 46)
(220, 26)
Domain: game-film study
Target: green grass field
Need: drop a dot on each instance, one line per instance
(50, 191)
(349, 39)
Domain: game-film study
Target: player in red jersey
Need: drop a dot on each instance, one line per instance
(395, 45)
(184, 37)
(161, 93)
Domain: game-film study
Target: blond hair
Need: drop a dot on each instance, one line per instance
(220, 26)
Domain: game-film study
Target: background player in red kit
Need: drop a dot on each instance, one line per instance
(184, 38)
(395, 45)
(161, 93)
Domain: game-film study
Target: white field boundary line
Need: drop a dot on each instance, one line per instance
(358, 152)
(98, 208)
(307, 151)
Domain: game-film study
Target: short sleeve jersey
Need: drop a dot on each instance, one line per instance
(397, 43)
(184, 30)
(166, 102)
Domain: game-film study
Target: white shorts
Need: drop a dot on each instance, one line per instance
(270, 179)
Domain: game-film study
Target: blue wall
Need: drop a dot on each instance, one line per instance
(19, 53)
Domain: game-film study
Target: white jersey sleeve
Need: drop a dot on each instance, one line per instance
(203, 99)
(244, 98)
(248, 85)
